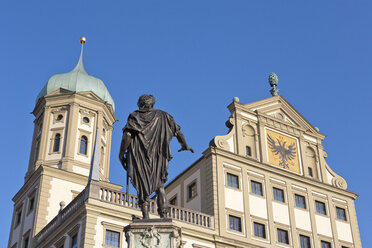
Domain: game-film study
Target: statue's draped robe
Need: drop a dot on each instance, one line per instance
(149, 152)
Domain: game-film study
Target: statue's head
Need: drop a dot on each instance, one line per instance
(146, 102)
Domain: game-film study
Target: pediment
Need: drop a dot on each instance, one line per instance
(280, 109)
(90, 94)
(60, 91)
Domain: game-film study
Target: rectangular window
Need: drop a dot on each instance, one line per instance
(259, 230)
(278, 194)
(283, 236)
(320, 207)
(18, 217)
(300, 201)
(173, 201)
(310, 170)
(74, 241)
(235, 223)
(326, 244)
(31, 204)
(112, 238)
(232, 180)
(191, 191)
(256, 188)
(248, 151)
(305, 241)
(341, 213)
(25, 243)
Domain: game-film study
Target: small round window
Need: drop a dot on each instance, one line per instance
(59, 117)
(86, 120)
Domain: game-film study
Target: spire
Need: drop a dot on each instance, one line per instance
(94, 166)
(273, 81)
(80, 67)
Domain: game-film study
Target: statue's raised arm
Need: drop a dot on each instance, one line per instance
(145, 152)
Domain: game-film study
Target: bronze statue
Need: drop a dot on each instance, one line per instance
(145, 152)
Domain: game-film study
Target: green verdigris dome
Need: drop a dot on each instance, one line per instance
(77, 80)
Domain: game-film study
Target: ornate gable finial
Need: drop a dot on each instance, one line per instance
(273, 81)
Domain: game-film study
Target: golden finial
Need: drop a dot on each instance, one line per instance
(83, 40)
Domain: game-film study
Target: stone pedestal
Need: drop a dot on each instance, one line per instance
(153, 233)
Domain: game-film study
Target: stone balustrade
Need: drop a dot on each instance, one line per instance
(177, 213)
(95, 191)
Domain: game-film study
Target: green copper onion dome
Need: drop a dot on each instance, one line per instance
(78, 80)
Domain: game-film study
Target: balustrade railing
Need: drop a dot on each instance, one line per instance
(177, 213)
(95, 191)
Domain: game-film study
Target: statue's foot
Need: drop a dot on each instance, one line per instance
(145, 215)
(164, 213)
(135, 217)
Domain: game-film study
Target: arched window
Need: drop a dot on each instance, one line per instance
(83, 144)
(57, 141)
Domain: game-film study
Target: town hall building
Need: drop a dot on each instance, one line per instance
(265, 183)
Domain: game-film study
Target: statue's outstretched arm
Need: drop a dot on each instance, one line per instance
(181, 139)
(125, 142)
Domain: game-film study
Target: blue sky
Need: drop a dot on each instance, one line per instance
(195, 56)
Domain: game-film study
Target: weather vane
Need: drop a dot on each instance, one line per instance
(273, 81)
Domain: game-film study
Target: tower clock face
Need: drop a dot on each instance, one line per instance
(282, 151)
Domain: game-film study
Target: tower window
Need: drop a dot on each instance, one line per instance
(31, 204)
(36, 156)
(18, 217)
(112, 238)
(102, 158)
(320, 207)
(235, 223)
(256, 188)
(83, 144)
(248, 151)
(74, 241)
(25, 243)
(57, 141)
(232, 180)
(300, 201)
(86, 120)
(310, 170)
(59, 117)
